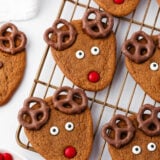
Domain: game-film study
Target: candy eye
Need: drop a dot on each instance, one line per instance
(154, 66)
(151, 147)
(95, 51)
(136, 150)
(69, 126)
(80, 54)
(54, 130)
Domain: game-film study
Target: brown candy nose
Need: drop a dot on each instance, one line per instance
(70, 152)
(93, 76)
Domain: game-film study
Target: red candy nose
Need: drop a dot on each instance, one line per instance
(70, 152)
(93, 77)
(118, 1)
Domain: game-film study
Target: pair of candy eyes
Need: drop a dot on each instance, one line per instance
(54, 130)
(137, 149)
(94, 51)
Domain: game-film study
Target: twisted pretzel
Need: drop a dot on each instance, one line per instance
(118, 141)
(69, 100)
(151, 125)
(11, 38)
(90, 26)
(138, 56)
(36, 122)
(60, 43)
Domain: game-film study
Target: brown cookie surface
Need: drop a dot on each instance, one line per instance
(147, 74)
(78, 69)
(59, 135)
(118, 7)
(12, 60)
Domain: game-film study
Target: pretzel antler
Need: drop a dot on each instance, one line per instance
(122, 136)
(74, 106)
(95, 28)
(149, 124)
(141, 51)
(11, 39)
(38, 116)
(64, 38)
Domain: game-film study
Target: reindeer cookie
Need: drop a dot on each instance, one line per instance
(85, 50)
(59, 127)
(142, 60)
(136, 137)
(12, 60)
(118, 8)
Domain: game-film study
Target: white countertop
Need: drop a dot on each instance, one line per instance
(34, 29)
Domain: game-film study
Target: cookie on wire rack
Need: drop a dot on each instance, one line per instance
(85, 50)
(118, 8)
(136, 137)
(142, 53)
(59, 127)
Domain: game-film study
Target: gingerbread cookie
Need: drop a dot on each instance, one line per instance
(85, 50)
(136, 137)
(59, 127)
(12, 60)
(142, 60)
(118, 8)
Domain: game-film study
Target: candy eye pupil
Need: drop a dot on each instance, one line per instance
(54, 130)
(136, 149)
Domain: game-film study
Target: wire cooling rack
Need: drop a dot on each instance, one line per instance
(123, 95)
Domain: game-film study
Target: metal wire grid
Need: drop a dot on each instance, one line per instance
(123, 95)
